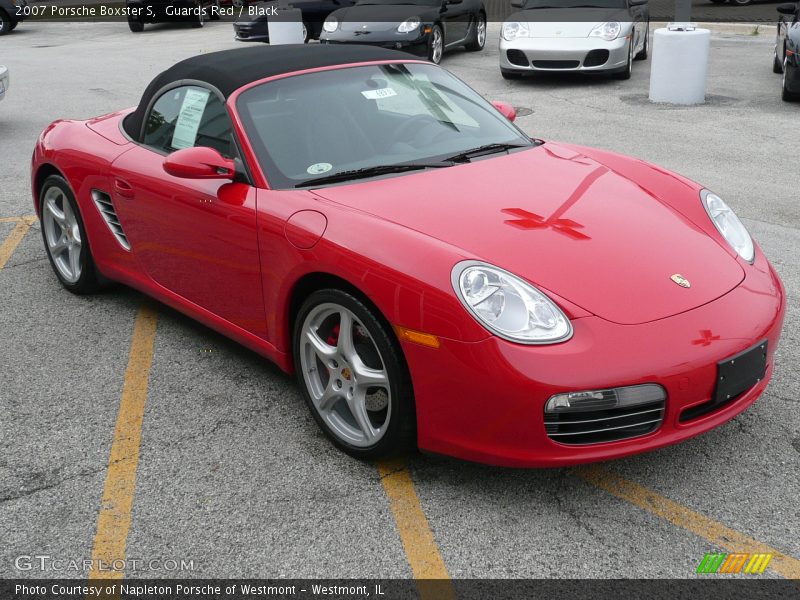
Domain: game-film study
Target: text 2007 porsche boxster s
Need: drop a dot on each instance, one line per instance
(432, 274)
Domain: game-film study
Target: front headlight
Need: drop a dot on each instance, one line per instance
(508, 306)
(331, 24)
(409, 25)
(608, 31)
(729, 225)
(513, 30)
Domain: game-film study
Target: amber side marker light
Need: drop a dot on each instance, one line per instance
(418, 337)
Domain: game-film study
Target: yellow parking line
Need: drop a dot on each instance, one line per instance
(14, 238)
(427, 566)
(713, 531)
(114, 520)
(15, 219)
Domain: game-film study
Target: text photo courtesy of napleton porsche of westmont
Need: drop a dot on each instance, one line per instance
(400, 299)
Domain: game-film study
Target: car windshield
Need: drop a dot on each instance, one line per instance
(532, 4)
(318, 125)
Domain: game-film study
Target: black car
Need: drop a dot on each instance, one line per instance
(163, 11)
(314, 13)
(423, 27)
(787, 51)
(11, 13)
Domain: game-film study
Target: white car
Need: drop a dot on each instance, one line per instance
(574, 35)
(5, 80)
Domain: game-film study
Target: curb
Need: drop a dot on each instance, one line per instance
(745, 29)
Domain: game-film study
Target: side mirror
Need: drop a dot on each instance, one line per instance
(518, 3)
(505, 109)
(199, 162)
(787, 9)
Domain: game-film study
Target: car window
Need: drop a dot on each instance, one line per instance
(189, 116)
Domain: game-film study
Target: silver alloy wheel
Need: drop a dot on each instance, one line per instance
(481, 31)
(437, 46)
(62, 233)
(345, 375)
(305, 33)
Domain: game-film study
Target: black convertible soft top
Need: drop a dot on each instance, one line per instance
(228, 70)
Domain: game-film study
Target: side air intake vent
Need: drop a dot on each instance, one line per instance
(106, 208)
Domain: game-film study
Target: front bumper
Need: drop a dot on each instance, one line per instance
(252, 31)
(567, 54)
(417, 46)
(484, 401)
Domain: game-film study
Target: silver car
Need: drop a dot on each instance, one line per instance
(574, 35)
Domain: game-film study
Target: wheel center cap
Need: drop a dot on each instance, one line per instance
(347, 373)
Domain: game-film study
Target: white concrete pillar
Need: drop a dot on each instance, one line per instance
(679, 65)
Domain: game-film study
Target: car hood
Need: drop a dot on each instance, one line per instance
(564, 222)
(379, 17)
(567, 23)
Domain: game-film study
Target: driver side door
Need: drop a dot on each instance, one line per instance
(194, 237)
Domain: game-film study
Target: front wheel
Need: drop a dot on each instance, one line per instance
(135, 25)
(777, 65)
(626, 72)
(436, 45)
(353, 376)
(5, 22)
(786, 95)
(643, 52)
(479, 37)
(65, 237)
(200, 19)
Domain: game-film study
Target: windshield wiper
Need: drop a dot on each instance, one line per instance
(483, 150)
(374, 171)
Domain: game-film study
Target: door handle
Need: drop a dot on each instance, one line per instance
(123, 188)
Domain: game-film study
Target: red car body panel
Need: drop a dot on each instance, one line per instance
(598, 232)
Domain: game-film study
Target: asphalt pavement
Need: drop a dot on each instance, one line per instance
(234, 475)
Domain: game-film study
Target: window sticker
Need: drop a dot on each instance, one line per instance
(319, 168)
(188, 122)
(386, 92)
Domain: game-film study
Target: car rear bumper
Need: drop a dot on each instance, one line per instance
(569, 54)
(484, 401)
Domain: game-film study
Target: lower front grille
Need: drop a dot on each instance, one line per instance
(605, 415)
(556, 64)
(517, 57)
(595, 58)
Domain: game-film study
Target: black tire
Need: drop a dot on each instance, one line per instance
(306, 32)
(777, 66)
(626, 72)
(477, 44)
(201, 15)
(643, 52)
(510, 75)
(5, 23)
(435, 30)
(400, 434)
(215, 11)
(786, 95)
(89, 280)
(13, 25)
(136, 25)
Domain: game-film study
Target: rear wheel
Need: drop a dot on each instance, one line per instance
(5, 23)
(479, 37)
(777, 65)
(353, 375)
(786, 95)
(65, 237)
(436, 45)
(135, 25)
(643, 52)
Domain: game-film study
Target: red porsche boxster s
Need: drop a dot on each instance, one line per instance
(433, 275)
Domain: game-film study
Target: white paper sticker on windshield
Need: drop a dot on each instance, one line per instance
(319, 168)
(381, 93)
(188, 122)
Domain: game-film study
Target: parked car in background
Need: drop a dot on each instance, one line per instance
(314, 13)
(423, 27)
(5, 80)
(787, 47)
(574, 35)
(163, 11)
(11, 14)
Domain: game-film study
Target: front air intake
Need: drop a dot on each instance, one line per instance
(109, 213)
(593, 417)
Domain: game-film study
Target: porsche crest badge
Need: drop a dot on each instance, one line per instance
(680, 280)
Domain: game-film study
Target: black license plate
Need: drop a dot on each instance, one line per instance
(739, 373)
